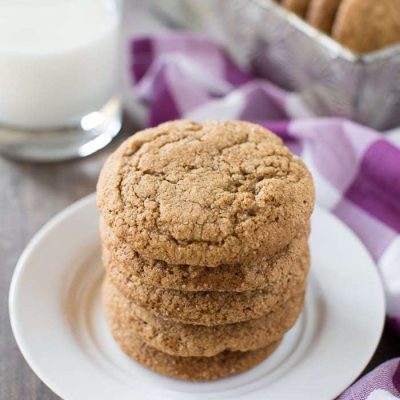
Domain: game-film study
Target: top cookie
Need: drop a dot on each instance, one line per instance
(205, 194)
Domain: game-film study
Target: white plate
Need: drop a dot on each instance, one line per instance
(58, 323)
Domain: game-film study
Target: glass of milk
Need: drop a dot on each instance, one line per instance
(59, 63)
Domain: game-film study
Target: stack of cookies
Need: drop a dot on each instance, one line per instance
(204, 232)
(361, 25)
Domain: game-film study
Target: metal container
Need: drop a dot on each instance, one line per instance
(329, 79)
(188, 14)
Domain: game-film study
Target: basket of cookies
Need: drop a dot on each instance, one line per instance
(341, 57)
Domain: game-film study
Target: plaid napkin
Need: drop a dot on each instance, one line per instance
(356, 169)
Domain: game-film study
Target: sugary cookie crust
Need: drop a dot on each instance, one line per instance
(205, 194)
(210, 308)
(253, 275)
(191, 368)
(195, 340)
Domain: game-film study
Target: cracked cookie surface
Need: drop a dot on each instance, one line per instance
(195, 340)
(205, 194)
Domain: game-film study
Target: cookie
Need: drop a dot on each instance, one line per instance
(367, 25)
(257, 274)
(195, 340)
(205, 194)
(299, 7)
(210, 308)
(321, 14)
(192, 368)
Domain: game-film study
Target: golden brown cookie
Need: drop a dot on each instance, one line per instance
(256, 274)
(299, 7)
(192, 368)
(367, 25)
(210, 308)
(321, 14)
(205, 194)
(196, 340)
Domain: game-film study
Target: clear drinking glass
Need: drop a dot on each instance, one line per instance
(58, 77)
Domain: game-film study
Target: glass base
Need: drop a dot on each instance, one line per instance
(94, 132)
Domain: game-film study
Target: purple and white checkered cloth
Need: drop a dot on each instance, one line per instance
(356, 170)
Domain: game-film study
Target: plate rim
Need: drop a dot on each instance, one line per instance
(23, 262)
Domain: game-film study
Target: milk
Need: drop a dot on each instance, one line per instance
(58, 60)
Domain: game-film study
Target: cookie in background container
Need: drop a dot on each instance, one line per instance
(322, 13)
(367, 25)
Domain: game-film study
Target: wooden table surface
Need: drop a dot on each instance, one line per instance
(29, 196)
